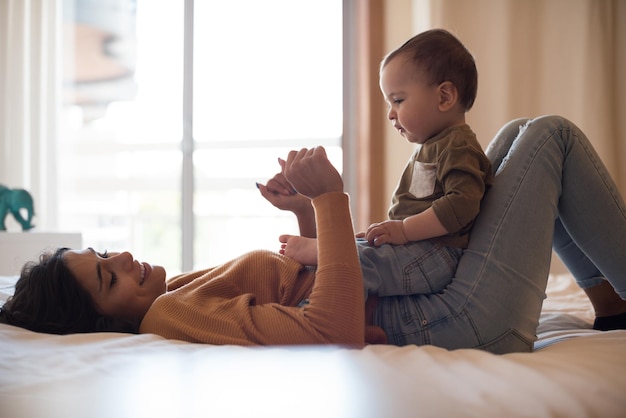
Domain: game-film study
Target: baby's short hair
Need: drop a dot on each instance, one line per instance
(440, 56)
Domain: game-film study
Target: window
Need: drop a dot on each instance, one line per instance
(265, 77)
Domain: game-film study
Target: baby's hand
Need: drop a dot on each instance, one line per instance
(279, 192)
(386, 232)
(278, 183)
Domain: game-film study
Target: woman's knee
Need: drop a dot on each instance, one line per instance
(550, 124)
(499, 146)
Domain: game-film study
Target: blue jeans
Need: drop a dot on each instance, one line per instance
(417, 267)
(551, 188)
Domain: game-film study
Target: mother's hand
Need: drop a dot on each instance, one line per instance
(310, 172)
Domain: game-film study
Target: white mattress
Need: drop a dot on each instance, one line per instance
(575, 372)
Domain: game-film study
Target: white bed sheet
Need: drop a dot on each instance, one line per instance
(575, 372)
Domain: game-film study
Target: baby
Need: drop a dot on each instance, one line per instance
(428, 83)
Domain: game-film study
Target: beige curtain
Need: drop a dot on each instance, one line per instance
(537, 57)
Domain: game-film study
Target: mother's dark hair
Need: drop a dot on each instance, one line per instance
(49, 299)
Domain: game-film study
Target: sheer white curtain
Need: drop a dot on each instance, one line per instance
(29, 92)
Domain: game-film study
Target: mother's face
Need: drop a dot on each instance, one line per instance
(120, 286)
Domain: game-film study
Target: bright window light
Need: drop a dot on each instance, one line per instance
(267, 78)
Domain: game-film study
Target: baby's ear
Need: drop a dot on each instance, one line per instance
(448, 96)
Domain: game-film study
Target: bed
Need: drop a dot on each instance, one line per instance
(574, 372)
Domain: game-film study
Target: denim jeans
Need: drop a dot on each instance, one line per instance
(550, 188)
(414, 268)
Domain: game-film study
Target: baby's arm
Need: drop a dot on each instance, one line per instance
(423, 226)
(417, 227)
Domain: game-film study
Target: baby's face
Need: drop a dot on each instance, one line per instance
(413, 103)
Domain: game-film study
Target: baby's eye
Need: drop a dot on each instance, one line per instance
(105, 254)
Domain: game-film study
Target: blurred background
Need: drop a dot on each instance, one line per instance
(144, 124)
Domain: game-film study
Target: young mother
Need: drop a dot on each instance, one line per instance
(258, 298)
(550, 188)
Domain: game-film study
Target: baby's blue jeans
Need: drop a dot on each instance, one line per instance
(410, 269)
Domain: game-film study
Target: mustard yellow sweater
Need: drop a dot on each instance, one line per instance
(253, 300)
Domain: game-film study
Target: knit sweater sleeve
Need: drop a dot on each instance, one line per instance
(335, 313)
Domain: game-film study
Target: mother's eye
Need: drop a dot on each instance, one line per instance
(105, 254)
(113, 280)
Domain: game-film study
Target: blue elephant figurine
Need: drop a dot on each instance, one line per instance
(12, 201)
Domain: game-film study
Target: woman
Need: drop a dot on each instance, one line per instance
(547, 174)
(259, 298)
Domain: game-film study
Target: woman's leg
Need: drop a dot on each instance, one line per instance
(494, 302)
(608, 306)
(593, 214)
(590, 231)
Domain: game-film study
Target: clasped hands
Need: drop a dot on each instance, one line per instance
(308, 173)
(304, 175)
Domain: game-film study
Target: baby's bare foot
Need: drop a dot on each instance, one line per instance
(301, 249)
